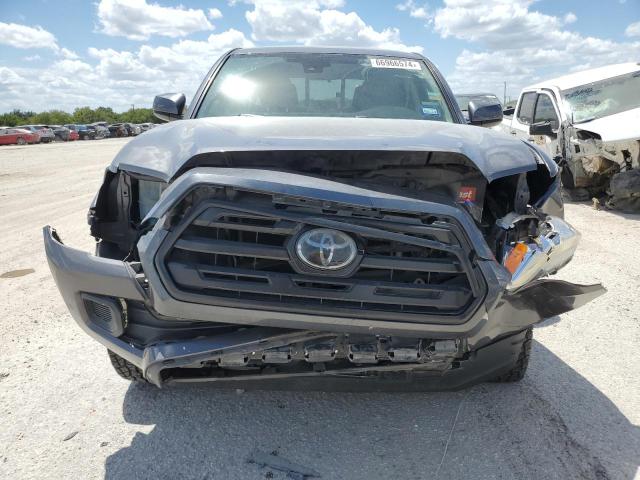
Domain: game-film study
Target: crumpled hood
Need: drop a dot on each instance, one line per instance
(161, 152)
(614, 128)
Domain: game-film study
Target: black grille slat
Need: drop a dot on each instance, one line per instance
(420, 230)
(432, 297)
(223, 247)
(194, 278)
(417, 265)
(228, 252)
(279, 228)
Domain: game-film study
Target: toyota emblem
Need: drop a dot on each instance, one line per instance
(326, 249)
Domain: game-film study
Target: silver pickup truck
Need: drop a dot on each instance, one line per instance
(322, 217)
(589, 122)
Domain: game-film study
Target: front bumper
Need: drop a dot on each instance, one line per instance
(106, 296)
(490, 334)
(77, 273)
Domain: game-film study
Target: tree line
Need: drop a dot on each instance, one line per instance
(80, 115)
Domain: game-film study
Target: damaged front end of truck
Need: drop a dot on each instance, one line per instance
(412, 259)
(608, 166)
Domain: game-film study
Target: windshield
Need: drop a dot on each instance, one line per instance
(325, 85)
(606, 97)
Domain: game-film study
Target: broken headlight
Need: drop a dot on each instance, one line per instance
(149, 192)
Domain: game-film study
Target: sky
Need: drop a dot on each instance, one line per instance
(65, 54)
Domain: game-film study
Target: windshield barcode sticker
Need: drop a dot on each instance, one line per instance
(395, 63)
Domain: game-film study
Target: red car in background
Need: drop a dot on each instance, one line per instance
(73, 135)
(9, 136)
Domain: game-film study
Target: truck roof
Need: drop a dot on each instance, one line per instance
(352, 50)
(588, 76)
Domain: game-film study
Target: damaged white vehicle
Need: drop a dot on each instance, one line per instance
(589, 122)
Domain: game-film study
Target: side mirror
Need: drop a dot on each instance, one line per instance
(484, 112)
(169, 106)
(509, 111)
(542, 128)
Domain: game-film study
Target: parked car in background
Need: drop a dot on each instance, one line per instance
(33, 130)
(93, 129)
(488, 101)
(127, 128)
(73, 136)
(100, 132)
(589, 122)
(300, 231)
(134, 129)
(19, 136)
(101, 128)
(145, 126)
(46, 134)
(84, 133)
(118, 130)
(61, 133)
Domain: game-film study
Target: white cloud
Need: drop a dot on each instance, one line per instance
(9, 77)
(274, 20)
(32, 58)
(519, 45)
(191, 58)
(214, 13)
(116, 78)
(498, 24)
(22, 36)
(309, 23)
(66, 53)
(121, 65)
(633, 30)
(138, 20)
(331, 3)
(414, 10)
(25, 37)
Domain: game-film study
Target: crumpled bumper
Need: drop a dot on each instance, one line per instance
(490, 333)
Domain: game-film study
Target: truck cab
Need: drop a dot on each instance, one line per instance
(537, 118)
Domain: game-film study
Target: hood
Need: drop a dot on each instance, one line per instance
(613, 128)
(161, 152)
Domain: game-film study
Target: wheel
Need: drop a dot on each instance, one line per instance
(22, 141)
(520, 368)
(125, 369)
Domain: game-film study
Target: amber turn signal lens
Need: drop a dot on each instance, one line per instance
(515, 257)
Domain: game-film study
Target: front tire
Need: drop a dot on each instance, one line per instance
(520, 368)
(125, 368)
(21, 141)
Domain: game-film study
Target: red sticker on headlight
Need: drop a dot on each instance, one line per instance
(467, 194)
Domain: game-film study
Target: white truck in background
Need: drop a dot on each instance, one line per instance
(589, 122)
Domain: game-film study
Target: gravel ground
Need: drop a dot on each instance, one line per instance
(65, 414)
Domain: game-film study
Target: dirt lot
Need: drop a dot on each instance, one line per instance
(65, 414)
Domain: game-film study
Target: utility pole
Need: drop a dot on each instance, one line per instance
(133, 107)
(504, 96)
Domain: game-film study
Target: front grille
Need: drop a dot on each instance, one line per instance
(238, 254)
